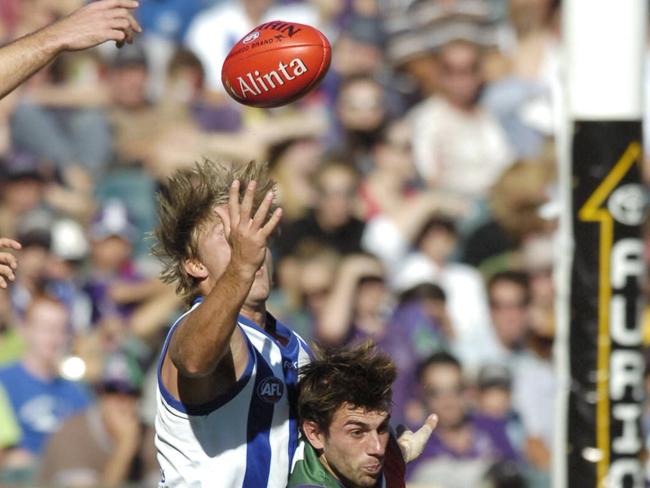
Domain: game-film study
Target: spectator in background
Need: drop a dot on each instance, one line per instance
(361, 113)
(50, 262)
(333, 222)
(31, 276)
(463, 446)
(132, 116)
(24, 180)
(391, 184)
(294, 163)
(506, 474)
(165, 24)
(418, 327)
(100, 445)
(124, 300)
(509, 298)
(443, 125)
(359, 48)
(40, 399)
(494, 402)
(111, 234)
(535, 384)
(185, 91)
(525, 92)
(62, 116)
(9, 429)
(515, 203)
(433, 300)
(474, 340)
(360, 307)
(69, 249)
(304, 281)
(414, 60)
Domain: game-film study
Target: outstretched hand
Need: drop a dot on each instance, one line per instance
(248, 236)
(412, 443)
(8, 262)
(95, 23)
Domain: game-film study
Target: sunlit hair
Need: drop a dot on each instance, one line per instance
(186, 206)
(357, 377)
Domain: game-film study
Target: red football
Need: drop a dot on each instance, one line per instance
(276, 63)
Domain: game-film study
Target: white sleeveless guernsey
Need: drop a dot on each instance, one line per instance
(245, 438)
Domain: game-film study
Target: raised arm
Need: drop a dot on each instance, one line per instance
(338, 313)
(208, 333)
(88, 26)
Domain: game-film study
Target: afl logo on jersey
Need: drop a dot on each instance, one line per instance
(270, 389)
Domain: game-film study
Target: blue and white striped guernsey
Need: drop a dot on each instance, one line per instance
(247, 437)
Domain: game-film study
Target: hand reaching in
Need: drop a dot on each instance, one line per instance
(95, 23)
(8, 262)
(412, 443)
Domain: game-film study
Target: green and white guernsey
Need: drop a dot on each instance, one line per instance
(308, 471)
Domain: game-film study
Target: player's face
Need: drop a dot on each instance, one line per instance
(215, 253)
(353, 450)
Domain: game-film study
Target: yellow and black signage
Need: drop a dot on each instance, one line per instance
(606, 362)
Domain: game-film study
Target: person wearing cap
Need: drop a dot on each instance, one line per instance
(122, 297)
(86, 27)
(99, 446)
(111, 234)
(494, 405)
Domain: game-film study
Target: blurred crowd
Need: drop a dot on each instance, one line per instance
(418, 183)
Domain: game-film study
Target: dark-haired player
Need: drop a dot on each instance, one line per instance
(344, 408)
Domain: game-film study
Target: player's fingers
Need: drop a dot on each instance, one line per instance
(116, 35)
(8, 259)
(116, 4)
(263, 210)
(118, 14)
(273, 222)
(135, 26)
(432, 421)
(5, 242)
(247, 202)
(233, 203)
(419, 438)
(3, 283)
(130, 4)
(7, 273)
(120, 24)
